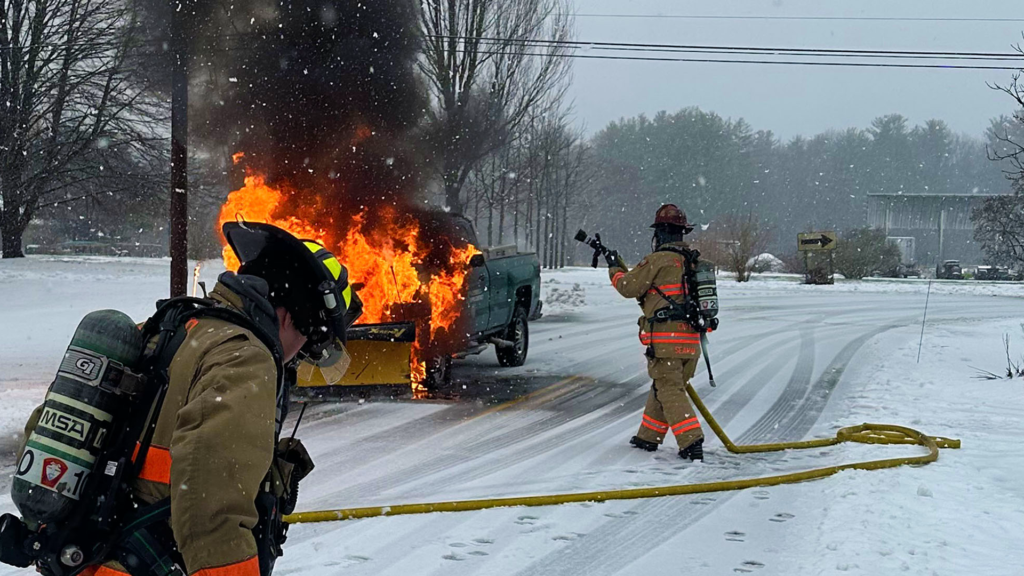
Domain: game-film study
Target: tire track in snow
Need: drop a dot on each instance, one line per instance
(631, 403)
(470, 461)
(794, 392)
(632, 408)
(510, 428)
(607, 550)
(537, 444)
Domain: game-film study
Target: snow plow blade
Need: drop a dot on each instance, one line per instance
(381, 355)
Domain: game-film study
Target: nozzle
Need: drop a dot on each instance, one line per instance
(581, 236)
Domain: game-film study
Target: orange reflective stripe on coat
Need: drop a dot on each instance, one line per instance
(250, 567)
(615, 279)
(157, 466)
(669, 338)
(685, 425)
(669, 290)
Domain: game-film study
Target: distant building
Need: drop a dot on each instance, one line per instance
(940, 224)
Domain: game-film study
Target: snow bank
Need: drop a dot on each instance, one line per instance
(564, 297)
(960, 515)
(767, 263)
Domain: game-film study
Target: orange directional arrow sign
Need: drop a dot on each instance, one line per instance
(816, 241)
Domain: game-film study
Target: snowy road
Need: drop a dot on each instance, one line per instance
(778, 357)
(791, 362)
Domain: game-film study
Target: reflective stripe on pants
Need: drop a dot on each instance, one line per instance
(668, 407)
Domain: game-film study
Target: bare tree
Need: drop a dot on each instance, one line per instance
(1009, 150)
(999, 227)
(540, 175)
(70, 104)
(486, 73)
(741, 239)
(999, 221)
(577, 178)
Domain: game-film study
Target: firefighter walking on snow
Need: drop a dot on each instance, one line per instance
(673, 346)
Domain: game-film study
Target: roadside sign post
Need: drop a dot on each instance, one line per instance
(817, 242)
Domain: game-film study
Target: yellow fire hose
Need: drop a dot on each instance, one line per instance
(864, 433)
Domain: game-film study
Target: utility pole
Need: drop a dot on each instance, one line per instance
(179, 155)
(942, 233)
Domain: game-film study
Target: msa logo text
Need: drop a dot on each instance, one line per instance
(64, 423)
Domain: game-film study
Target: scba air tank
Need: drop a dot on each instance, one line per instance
(77, 418)
(707, 289)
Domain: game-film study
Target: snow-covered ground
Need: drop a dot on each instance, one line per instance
(792, 362)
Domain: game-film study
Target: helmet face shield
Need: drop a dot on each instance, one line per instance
(331, 364)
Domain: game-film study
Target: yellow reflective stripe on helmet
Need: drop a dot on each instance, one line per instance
(328, 259)
(315, 248)
(333, 266)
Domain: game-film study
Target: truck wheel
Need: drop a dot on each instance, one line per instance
(439, 373)
(517, 332)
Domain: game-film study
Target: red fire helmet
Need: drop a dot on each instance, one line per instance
(672, 215)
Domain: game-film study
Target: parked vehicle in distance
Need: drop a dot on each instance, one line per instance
(904, 271)
(993, 273)
(949, 270)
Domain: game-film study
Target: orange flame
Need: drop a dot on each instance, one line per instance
(385, 257)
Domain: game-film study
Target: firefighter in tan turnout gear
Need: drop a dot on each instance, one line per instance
(214, 441)
(673, 347)
(212, 476)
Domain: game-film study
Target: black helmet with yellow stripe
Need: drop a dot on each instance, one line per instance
(305, 279)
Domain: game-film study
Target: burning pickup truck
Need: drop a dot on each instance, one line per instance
(501, 290)
(502, 295)
(430, 295)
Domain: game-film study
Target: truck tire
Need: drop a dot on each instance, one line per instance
(517, 332)
(439, 373)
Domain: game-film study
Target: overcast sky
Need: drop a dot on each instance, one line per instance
(792, 100)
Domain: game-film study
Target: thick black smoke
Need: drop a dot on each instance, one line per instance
(320, 94)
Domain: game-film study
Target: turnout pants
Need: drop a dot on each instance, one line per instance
(668, 407)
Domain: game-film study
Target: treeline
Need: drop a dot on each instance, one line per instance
(540, 188)
(713, 167)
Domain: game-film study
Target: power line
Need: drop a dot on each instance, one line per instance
(588, 44)
(768, 62)
(519, 47)
(800, 18)
(758, 49)
(769, 52)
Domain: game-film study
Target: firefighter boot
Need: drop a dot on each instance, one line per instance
(643, 444)
(694, 451)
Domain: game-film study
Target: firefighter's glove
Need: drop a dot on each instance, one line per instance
(292, 463)
(292, 451)
(612, 258)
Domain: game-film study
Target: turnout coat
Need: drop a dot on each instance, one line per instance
(666, 270)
